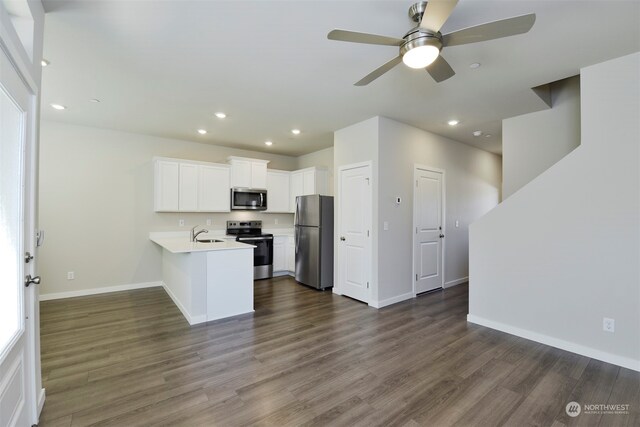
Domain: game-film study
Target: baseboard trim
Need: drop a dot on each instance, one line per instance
(280, 273)
(193, 320)
(625, 362)
(459, 281)
(97, 291)
(392, 300)
(41, 397)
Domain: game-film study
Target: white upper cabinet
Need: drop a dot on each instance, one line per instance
(213, 188)
(166, 175)
(189, 186)
(248, 173)
(307, 181)
(258, 175)
(278, 191)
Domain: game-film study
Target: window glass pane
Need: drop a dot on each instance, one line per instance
(11, 138)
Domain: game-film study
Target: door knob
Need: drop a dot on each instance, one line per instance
(342, 238)
(31, 280)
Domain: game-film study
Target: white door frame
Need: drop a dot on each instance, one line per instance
(337, 247)
(416, 168)
(35, 394)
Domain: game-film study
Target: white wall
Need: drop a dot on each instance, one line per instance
(527, 154)
(356, 144)
(96, 204)
(473, 178)
(563, 252)
(473, 188)
(319, 158)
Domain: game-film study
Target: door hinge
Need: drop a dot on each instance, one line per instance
(416, 277)
(416, 230)
(367, 233)
(416, 182)
(367, 181)
(367, 285)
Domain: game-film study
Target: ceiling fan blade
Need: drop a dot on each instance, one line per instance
(490, 31)
(440, 70)
(356, 37)
(436, 14)
(379, 71)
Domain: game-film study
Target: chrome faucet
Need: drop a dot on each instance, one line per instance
(194, 235)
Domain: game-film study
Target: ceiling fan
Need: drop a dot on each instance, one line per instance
(421, 46)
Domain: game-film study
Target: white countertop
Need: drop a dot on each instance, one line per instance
(181, 244)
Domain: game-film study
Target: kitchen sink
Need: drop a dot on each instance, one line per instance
(209, 241)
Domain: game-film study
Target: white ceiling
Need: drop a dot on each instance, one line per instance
(164, 67)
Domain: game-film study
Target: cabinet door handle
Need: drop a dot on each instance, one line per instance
(441, 236)
(342, 238)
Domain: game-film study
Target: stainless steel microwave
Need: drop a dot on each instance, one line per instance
(248, 199)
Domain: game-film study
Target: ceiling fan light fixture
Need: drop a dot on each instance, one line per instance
(421, 56)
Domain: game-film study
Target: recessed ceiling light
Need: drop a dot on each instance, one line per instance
(453, 122)
(202, 131)
(94, 100)
(221, 115)
(477, 133)
(44, 62)
(474, 65)
(58, 107)
(268, 143)
(295, 131)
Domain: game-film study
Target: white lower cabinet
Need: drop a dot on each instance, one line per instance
(279, 253)
(291, 254)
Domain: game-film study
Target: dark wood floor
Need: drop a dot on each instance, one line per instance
(310, 358)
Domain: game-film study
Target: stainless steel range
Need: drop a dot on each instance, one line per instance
(250, 232)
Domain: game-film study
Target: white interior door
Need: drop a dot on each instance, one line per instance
(354, 240)
(428, 226)
(18, 333)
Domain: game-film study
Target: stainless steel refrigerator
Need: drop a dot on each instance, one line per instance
(314, 240)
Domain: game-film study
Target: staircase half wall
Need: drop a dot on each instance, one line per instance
(563, 252)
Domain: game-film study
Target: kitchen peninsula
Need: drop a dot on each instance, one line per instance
(207, 281)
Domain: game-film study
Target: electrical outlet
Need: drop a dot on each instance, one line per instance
(385, 225)
(208, 222)
(608, 325)
(181, 222)
(71, 275)
(457, 223)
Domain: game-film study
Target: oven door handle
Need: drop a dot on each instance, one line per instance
(246, 239)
